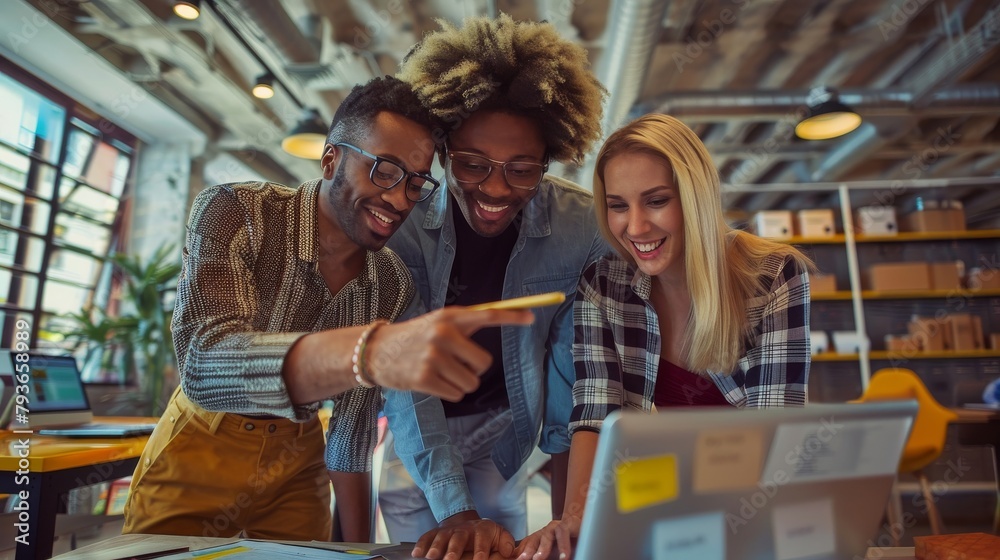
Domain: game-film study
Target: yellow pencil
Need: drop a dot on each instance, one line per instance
(539, 300)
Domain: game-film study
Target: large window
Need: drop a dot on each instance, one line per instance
(62, 181)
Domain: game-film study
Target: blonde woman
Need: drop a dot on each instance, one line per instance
(689, 313)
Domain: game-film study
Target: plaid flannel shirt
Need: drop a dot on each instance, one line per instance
(617, 348)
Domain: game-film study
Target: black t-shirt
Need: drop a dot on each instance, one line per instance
(477, 277)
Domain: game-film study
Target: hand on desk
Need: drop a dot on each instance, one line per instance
(539, 545)
(465, 532)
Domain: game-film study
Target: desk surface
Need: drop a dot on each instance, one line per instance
(976, 415)
(140, 544)
(51, 453)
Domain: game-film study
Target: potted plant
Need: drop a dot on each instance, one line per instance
(136, 341)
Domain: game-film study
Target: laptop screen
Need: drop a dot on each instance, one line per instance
(55, 384)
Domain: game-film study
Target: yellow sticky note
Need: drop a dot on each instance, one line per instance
(646, 482)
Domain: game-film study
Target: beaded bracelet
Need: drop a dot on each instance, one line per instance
(361, 374)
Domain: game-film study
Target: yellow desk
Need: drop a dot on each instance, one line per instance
(136, 545)
(47, 467)
(125, 545)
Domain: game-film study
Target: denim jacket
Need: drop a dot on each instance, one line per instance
(558, 239)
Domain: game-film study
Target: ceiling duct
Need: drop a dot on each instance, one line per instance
(938, 72)
(276, 28)
(954, 100)
(631, 34)
(959, 57)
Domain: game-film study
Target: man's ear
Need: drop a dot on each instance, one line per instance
(331, 158)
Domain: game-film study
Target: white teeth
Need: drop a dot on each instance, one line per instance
(647, 247)
(492, 208)
(384, 219)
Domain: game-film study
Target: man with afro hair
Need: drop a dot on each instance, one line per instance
(513, 96)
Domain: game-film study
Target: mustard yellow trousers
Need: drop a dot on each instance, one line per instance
(214, 474)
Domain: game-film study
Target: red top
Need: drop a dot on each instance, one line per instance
(676, 386)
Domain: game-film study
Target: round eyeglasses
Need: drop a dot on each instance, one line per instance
(474, 168)
(386, 174)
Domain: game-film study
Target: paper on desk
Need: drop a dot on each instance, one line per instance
(261, 550)
(126, 546)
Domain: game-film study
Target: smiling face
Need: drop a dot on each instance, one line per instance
(491, 205)
(366, 214)
(644, 212)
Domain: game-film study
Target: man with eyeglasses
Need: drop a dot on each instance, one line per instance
(515, 95)
(283, 302)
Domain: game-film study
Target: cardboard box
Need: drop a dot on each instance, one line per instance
(822, 283)
(900, 343)
(876, 220)
(935, 215)
(776, 224)
(817, 223)
(927, 333)
(995, 341)
(947, 275)
(983, 279)
(960, 334)
(886, 277)
(848, 342)
(818, 342)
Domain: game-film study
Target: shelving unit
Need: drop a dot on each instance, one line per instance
(858, 297)
(884, 355)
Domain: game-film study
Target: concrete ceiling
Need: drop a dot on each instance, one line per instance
(924, 74)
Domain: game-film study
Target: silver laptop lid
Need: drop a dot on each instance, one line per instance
(722, 483)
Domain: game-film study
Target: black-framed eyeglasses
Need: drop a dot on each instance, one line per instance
(386, 174)
(474, 168)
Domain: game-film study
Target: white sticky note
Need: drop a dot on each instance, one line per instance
(696, 537)
(803, 530)
(727, 460)
(830, 449)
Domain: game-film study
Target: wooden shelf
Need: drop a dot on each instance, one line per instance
(845, 295)
(927, 294)
(826, 240)
(900, 237)
(946, 355)
(831, 296)
(834, 357)
(931, 236)
(884, 355)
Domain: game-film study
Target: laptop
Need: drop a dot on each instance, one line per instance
(58, 405)
(714, 484)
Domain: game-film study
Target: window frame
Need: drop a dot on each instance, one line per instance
(76, 118)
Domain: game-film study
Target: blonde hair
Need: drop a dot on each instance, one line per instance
(722, 264)
(523, 68)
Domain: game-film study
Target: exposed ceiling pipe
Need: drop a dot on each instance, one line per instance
(938, 72)
(632, 32)
(848, 153)
(882, 102)
(277, 28)
(958, 58)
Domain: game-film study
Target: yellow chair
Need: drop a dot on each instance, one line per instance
(926, 439)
